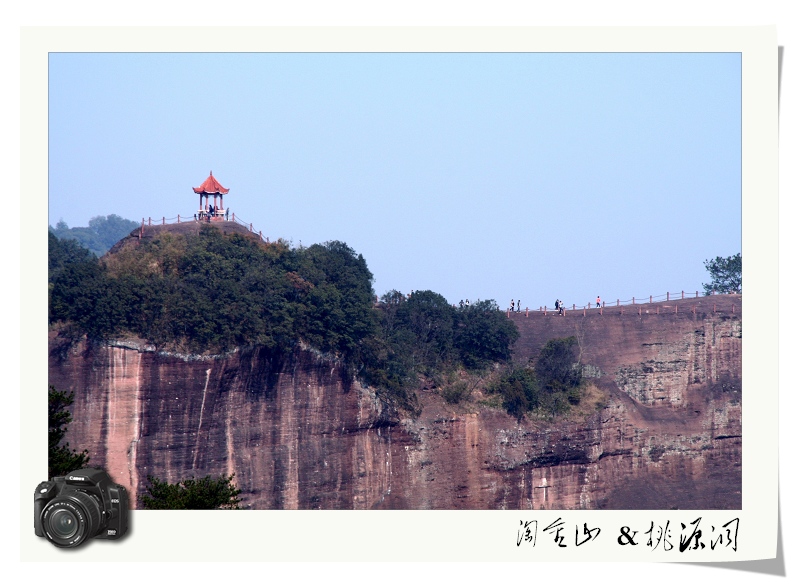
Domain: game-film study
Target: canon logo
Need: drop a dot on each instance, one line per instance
(78, 478)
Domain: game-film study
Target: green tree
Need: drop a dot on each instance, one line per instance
(191, 494)
(61, 253)
(550, 385)
(336, 313)
(519, 390)
(559, 375)
(427, 319)
(110, 229)
(101, 234)
(484, 334)
(60, 458)
(726, 275)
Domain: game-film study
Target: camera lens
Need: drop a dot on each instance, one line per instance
(71, 518)
(63, 523)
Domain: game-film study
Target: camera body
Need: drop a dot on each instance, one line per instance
(85, 503)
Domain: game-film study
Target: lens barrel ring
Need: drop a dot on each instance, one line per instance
(71, 518)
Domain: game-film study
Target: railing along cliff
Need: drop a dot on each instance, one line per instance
(619, 304)
(203, 218)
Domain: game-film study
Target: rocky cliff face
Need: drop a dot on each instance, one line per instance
(667, 433)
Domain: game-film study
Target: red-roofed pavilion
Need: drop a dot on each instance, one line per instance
(211, 187)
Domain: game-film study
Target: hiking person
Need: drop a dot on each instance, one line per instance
(598, 301)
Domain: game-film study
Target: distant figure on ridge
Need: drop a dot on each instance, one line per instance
(598, 301)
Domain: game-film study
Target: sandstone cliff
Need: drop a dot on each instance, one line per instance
(667, 433)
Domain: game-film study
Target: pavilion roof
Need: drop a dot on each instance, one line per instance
(210, 186)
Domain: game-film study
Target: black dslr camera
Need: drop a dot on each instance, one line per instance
(85, 503)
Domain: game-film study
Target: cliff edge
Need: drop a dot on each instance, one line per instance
(664, 431)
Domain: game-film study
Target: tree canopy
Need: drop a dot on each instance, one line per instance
(192, 494)
(726, 275)
(213, 292)
(423, 335)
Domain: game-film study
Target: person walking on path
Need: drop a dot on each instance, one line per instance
(598, 301)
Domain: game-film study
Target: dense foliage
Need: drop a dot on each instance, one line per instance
(424, 335)
(549, 386)
(101, 234)
(60, 458)
(726, 275)
(204, 494)
(215, 292)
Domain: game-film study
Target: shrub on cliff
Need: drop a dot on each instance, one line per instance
(204, 494)
(549, 386)
(60, 458)
(519, 389)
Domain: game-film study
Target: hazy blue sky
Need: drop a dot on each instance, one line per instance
(478, 176)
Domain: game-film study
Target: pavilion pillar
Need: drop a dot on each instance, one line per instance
(211, 188)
